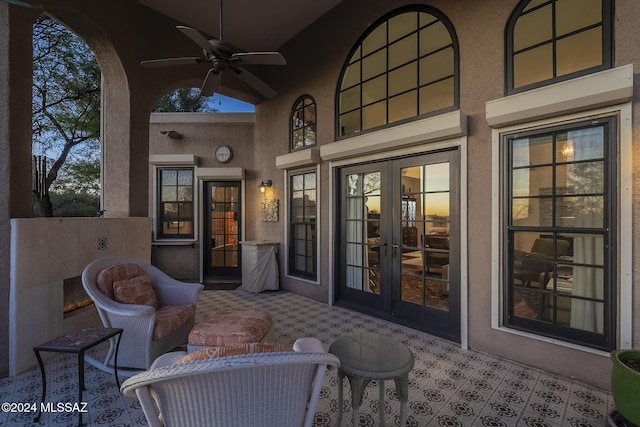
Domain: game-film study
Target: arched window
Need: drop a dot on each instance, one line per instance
(553, 40)
(303, 123)
(404, 67)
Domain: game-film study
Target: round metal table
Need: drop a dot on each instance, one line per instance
(370, 356)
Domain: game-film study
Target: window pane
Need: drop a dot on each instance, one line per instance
(580, 211)
(351, 75)
(374, 90)
(310, 181)
(403, 51)
(350, 123)
(403, 106)
(579, 52)
(169, 177)
(371, 184)
(350, 99)
(533, 66)
(536, 150)
(302, 217)
(426, 18)
(403, 79)
(437, 177)
(436, 66)
(185, 177)
(437, 96)
(375, 40)
(434, 37)
(185, 193)
(572, 15)
(533, 28)
(298, 139)
(374, 115)
(374, 65)
(580, 178)
(169, 193)
(402, 25)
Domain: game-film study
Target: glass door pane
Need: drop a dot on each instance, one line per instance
(362, 231)
(425, 207)
(222, 226)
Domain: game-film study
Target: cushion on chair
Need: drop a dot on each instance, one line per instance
(136, 290)
(235, 350)
(171, 317)
(109, 275)
(231, 327)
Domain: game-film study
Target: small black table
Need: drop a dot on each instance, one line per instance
(77, 342)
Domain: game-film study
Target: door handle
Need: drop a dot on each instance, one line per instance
(395, 248)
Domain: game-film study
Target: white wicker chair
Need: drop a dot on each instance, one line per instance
(251, 390)
(137, 348)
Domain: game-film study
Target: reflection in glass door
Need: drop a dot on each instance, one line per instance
(429, 263)
(399, 230)
(222, 231)
(362, 195)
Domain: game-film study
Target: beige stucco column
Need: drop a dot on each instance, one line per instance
(15, 143)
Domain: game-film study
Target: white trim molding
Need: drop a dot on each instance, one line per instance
(173, 159)
(609, 87)
(232, 173)
(431, 129)
(624, 315)
(298, 159)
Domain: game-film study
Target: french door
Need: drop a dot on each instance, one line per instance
(399, 241)
(222, 225)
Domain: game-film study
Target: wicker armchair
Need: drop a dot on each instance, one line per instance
(250, 390)
(138, 345)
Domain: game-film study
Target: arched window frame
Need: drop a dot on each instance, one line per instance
(519, 11)
(305, 106)
(440, 17)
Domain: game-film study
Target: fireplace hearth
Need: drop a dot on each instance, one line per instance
(75, 298)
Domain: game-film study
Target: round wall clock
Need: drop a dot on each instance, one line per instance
(224, 154)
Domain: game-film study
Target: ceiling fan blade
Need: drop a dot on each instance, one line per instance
(24, 4)
(211, 83)
(261, 87)
(259, 58)
(196, 36)
(168, 62)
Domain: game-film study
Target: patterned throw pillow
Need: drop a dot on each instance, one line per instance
(136, 290)
(235, 350)
(111, 274)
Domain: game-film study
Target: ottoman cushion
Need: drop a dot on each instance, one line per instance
(234, 350)
(231, 327)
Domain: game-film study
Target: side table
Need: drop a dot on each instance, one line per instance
(369, 356)
(77, 342)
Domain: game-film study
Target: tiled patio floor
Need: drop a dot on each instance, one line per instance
(448, 386)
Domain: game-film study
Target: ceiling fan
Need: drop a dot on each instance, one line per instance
(223, 56)
(24, 4)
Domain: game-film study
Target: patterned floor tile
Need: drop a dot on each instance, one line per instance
(448, 386)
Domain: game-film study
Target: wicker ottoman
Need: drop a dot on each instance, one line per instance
(231, 327)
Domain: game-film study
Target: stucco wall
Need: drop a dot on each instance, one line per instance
(201, 134)
(315, 59)
(45, 252)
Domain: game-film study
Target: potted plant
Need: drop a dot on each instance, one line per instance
(625, 383)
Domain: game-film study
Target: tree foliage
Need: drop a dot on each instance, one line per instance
(183, 100)
(66, 111)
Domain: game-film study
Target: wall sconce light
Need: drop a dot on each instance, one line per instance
(264, 185)
(172, 134)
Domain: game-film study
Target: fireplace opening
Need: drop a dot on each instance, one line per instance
(75, 297)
